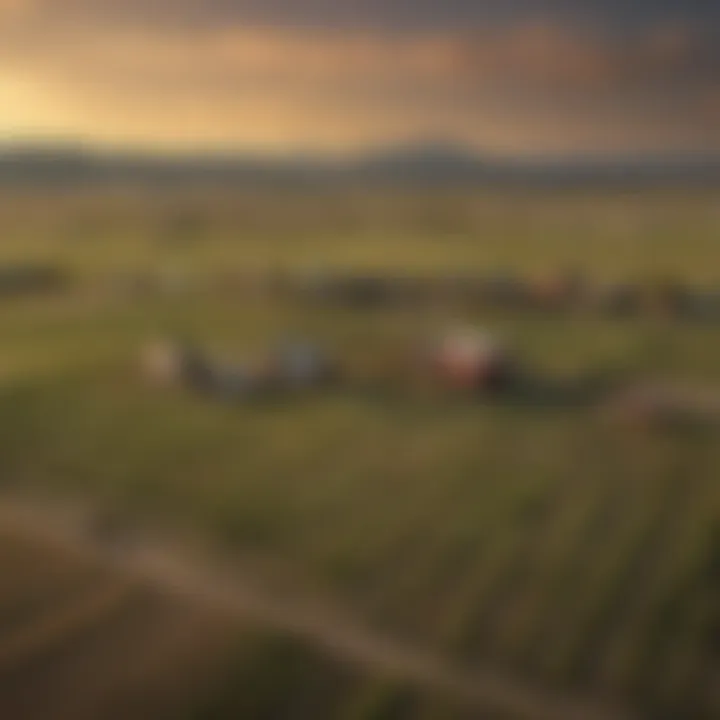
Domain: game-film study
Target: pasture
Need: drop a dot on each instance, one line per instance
(534, 539)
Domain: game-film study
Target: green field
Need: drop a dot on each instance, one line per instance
(532, 538)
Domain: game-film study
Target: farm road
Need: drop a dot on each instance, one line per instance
(175, 569)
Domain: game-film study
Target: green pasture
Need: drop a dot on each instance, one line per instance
(616, 235)
(533, 536)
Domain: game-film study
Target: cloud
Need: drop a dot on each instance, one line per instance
(532, 85)
(13, 10)
(372, 14)
(527, 55)
(554, 58)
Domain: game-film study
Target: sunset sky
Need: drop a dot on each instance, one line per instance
(508, 77)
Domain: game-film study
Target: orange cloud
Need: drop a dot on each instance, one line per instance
(16, 7)
(533, 87)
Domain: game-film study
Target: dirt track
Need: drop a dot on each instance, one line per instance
(174, 569)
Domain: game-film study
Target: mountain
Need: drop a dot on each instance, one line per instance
(428, 164)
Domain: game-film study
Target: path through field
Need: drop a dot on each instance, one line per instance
(172, 568)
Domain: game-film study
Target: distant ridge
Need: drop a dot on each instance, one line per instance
(428, 164)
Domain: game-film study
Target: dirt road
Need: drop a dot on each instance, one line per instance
(174, 568)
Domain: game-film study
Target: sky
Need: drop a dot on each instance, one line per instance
(504, 77)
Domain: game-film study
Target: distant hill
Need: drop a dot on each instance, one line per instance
(423, 164)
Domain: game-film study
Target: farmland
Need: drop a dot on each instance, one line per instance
(534, 539)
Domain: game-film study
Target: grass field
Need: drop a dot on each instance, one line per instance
(82, 642)
(531, 538)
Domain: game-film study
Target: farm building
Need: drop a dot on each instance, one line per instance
(654, 405)
(302, 364)
(467, 358)
(31, 279)
(172, 363)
